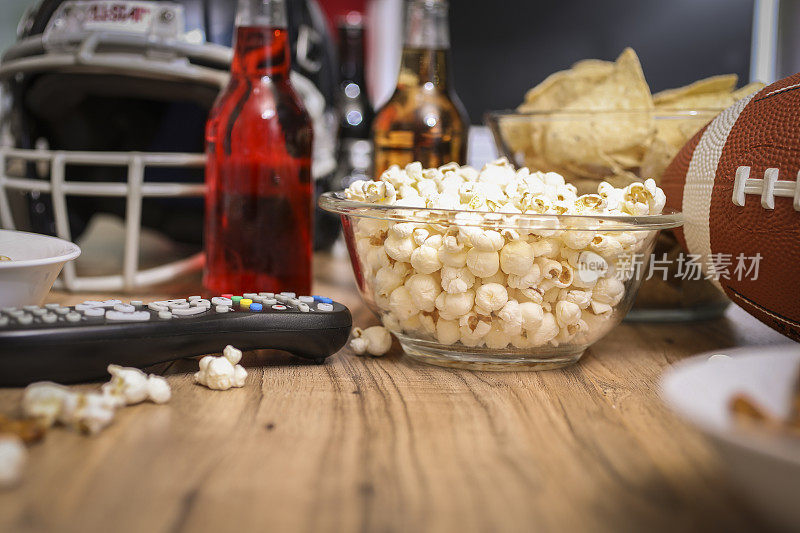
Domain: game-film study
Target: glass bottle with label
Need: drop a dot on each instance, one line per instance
(258, 232)
(424, 119)
(355, 111)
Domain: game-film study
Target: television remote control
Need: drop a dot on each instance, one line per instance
(70, 344)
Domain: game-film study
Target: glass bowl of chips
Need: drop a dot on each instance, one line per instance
(599, 121)
(619, 147)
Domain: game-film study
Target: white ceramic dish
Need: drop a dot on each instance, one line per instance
(36, 261)
(766, 467)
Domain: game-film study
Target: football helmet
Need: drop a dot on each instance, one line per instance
(105, 104)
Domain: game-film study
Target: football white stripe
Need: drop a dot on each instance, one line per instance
(700, 180)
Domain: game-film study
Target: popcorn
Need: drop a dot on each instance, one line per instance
(13, 457)
(483, 264)
(447, 331)
(375, 340)
(453, 306)
(423, 290)
(516, 258)
(494, 273)
(425, 259)
(222, 373)
(490, 297)
(456, 280)
(130, 386)
(49, 403)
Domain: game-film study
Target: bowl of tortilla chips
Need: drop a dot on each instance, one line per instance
(598, 121)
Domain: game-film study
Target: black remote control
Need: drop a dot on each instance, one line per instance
(71, 344)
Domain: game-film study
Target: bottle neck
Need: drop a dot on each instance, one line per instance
(426, 49)
(262, 43)
(426, 25)
(424, 68)
(351, 54)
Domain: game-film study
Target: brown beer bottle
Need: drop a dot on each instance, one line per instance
(424, 119)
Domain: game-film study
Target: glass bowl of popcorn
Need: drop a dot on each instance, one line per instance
(498, 268)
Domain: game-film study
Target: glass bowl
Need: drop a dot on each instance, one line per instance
(474, 325)
(620, 147)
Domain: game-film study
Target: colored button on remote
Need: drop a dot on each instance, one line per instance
(244, 303)
(256, 307)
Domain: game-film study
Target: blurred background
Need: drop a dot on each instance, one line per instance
(501, 52)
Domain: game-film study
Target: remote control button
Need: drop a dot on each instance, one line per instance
(222, 309)
(307, 299)
(267, 294)
(117, 316)
(164, 315)
(304, 308)
(52, 306)
(49, 319)
(137, 303)
(89, 304)
(18, 313)
(4, 321)
(122, 308)
(94, 311)
(293, 301)
(193, 298)
(279, 307)
(177, 301)
(191, 311)
(268, 301)
(63, 310)
(25, 320)
(73, 317)
(228, 296)
(323, 300)
(201, 303)
(250, 295)
(30, 307)
(221, 300)
(40, 312)
(327, 308)
(153, 306)
(244, 303)
(178, 305)
(236, 299)
(256, 307)
(9, 310)
(289, 294)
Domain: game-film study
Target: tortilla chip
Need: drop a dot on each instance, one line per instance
(724, 83)
(748, 89)
(583, 141)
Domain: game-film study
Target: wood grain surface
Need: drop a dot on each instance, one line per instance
(388, 444)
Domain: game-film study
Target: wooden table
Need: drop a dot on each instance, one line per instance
(388, 444)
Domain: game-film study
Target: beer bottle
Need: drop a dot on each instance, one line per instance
(424, 119)
(258, 141)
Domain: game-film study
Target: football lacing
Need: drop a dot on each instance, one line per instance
(768, 188)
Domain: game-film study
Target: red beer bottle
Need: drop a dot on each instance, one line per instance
(258, 233)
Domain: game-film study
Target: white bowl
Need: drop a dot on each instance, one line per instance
(36, 261)
(766, 466)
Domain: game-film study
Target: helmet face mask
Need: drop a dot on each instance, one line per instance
(108, 107)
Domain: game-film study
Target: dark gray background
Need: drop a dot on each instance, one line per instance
(501, 48)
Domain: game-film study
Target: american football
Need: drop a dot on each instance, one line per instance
(737, 182)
